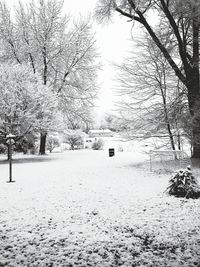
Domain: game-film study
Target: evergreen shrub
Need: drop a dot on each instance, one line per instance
(184, 184)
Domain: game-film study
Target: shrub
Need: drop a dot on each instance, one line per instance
(26, 144)
(74, 138)
(3, 148)
(97, 145)
(120, 148)
(184, 184)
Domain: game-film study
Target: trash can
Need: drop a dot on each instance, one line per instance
(111, 152)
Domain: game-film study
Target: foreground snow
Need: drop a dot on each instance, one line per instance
(82, 208)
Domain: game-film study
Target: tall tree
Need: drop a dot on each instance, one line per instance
(182, 18)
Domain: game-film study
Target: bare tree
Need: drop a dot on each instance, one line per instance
(152, 94)
(78, 118)
(182, 19)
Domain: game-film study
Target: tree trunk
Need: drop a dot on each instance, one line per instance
(43, 137)
(194, 91)
(194, 107)
(72, 147)
(179, 141)
(171, 137)
(167, 121)
(196, 143)
(196, 131)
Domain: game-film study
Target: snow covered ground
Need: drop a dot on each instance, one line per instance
(83, 208)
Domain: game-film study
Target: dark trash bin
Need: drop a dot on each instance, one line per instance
(111, 152)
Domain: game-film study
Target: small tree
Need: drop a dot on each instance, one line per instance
(52, 142)
(152, 98)
(109, 121)
(74, 138)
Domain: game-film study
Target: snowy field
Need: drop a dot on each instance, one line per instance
(82, 208)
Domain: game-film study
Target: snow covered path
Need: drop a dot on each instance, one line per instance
(82, 208)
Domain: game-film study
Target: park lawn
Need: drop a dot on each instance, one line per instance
(82, 208)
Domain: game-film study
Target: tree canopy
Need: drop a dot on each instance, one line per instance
(60, 50)
(26, 104)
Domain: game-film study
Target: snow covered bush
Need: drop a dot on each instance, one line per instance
(184, 184)
(52, 142)
(3, 148)
(98, 145)
(74, 138)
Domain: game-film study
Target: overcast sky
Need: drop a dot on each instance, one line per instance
(112, 43)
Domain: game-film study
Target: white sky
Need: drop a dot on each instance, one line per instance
(112, 43)
(112, 46)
